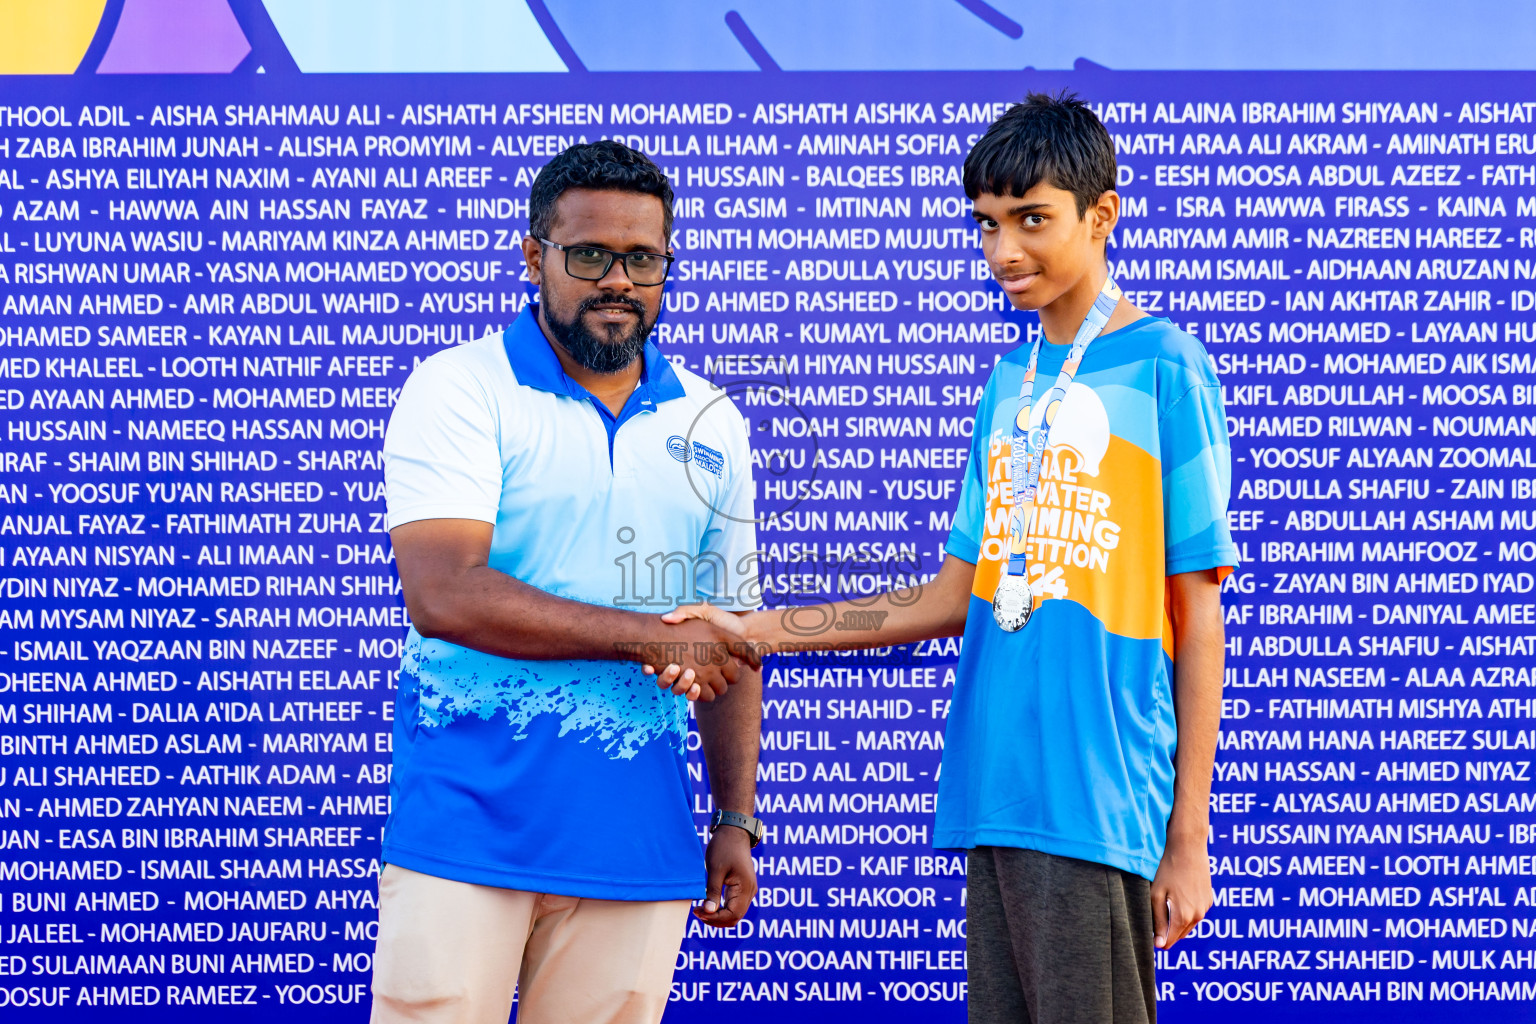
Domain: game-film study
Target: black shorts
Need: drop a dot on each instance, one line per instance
(1053, 940)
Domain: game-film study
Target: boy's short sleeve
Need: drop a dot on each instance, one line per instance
(969, 525)
(1197, 482)
(442, 459)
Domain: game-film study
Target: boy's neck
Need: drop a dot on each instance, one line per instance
(1061, 319)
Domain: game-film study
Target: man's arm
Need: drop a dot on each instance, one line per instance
(1181, 890)
(730, 730)
(452, 594)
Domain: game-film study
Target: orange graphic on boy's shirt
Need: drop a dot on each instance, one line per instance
(1096, 538)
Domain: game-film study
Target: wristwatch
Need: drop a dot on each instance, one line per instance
(751, 826)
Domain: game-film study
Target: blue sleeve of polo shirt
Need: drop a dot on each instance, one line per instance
(1197, 482)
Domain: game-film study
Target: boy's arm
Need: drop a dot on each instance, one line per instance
(1181, 890)
(932, 609)
(923, 612)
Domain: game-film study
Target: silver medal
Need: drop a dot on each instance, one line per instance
(1014, 600)
(1013, 603)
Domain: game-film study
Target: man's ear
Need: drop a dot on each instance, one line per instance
(533, 255)
(1106, 214)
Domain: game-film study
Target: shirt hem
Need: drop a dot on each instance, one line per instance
(963, 548)
(1095, 853)
(1195, 563)
(420, 512)
(581, 886)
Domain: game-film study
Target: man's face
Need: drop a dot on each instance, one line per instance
(602, 324)
(1036, 244)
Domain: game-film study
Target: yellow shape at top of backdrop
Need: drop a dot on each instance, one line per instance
(46, 37)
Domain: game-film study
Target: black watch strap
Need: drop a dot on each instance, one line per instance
(751, 826)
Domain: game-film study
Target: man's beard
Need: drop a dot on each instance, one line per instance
(597, 352)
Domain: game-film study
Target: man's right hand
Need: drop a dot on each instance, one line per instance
(935, 608)
(670, 673)
(706, 653)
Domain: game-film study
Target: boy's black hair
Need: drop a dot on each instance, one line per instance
(602, 166)
(1055, 139)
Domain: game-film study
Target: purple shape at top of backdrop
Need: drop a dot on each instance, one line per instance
(175, 36)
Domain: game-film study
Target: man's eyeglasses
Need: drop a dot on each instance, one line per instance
(589, 263)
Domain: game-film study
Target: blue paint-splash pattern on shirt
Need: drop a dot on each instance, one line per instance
(612, 705)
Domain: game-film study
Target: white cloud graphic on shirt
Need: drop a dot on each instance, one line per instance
(1081, 423)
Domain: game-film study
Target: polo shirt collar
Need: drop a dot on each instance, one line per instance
(535, 364)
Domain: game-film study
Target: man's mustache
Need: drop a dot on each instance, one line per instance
(587, 305)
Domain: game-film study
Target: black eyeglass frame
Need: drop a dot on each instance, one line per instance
(622, 257)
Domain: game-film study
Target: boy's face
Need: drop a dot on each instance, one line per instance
(1037, 246)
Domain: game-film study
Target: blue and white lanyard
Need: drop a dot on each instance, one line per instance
(1029, 444)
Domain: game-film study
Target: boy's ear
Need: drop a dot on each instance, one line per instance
(1105, 213)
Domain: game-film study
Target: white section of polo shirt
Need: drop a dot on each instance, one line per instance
(732, 529)
(443, 456)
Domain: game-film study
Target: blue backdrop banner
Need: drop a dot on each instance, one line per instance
(213, 287)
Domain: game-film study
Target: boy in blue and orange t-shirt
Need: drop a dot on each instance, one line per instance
(1084, 570)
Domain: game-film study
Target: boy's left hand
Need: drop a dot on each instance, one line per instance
(1181, 891)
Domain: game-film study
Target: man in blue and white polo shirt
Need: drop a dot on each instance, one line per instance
(551, 490)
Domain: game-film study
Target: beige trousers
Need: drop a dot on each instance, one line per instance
(455, 953)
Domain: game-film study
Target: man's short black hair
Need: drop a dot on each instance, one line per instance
(1055, 139)
(602, 166)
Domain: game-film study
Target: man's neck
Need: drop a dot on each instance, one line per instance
(1061, 319)
(612, 389)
